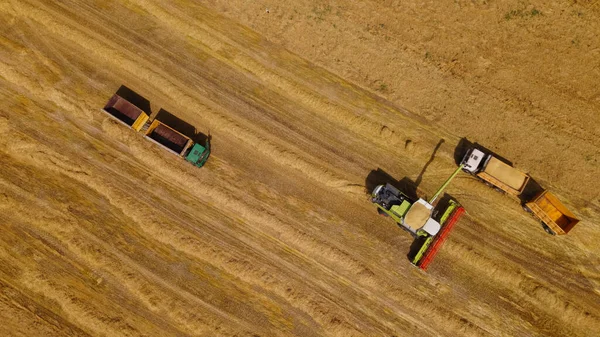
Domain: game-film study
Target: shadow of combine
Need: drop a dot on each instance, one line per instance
(406, 185)
(135, 98)
(380, 177)
(431, 158)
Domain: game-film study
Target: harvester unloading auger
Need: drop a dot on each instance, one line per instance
(429, 225)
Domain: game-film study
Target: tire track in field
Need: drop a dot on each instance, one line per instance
(63, 165)
(24, 317)
(299, 238)
(220, 122)
(537, 294)
(241, 267)
(72, 171)
(158, 296)
(194, 249)
(443, 318)
(48, 288)
(230, 52)
(305, 241)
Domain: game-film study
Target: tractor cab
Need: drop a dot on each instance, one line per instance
(198, 154)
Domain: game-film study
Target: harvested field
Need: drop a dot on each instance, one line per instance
(106, 234)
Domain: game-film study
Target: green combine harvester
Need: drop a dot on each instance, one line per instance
(429, 225)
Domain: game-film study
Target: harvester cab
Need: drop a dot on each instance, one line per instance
(414, 216)
(419, 217)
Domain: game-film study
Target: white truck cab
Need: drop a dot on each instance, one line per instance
(472, 160)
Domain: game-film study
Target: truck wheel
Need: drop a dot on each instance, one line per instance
(381, 212)
(547, 229)
(498, 189)
(526, 209)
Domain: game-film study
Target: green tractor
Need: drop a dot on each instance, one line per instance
(198, 154)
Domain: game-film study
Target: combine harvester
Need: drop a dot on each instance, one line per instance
(128, 114)
(429, 225)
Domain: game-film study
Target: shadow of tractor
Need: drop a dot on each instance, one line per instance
(182, 126)
(135, 98)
